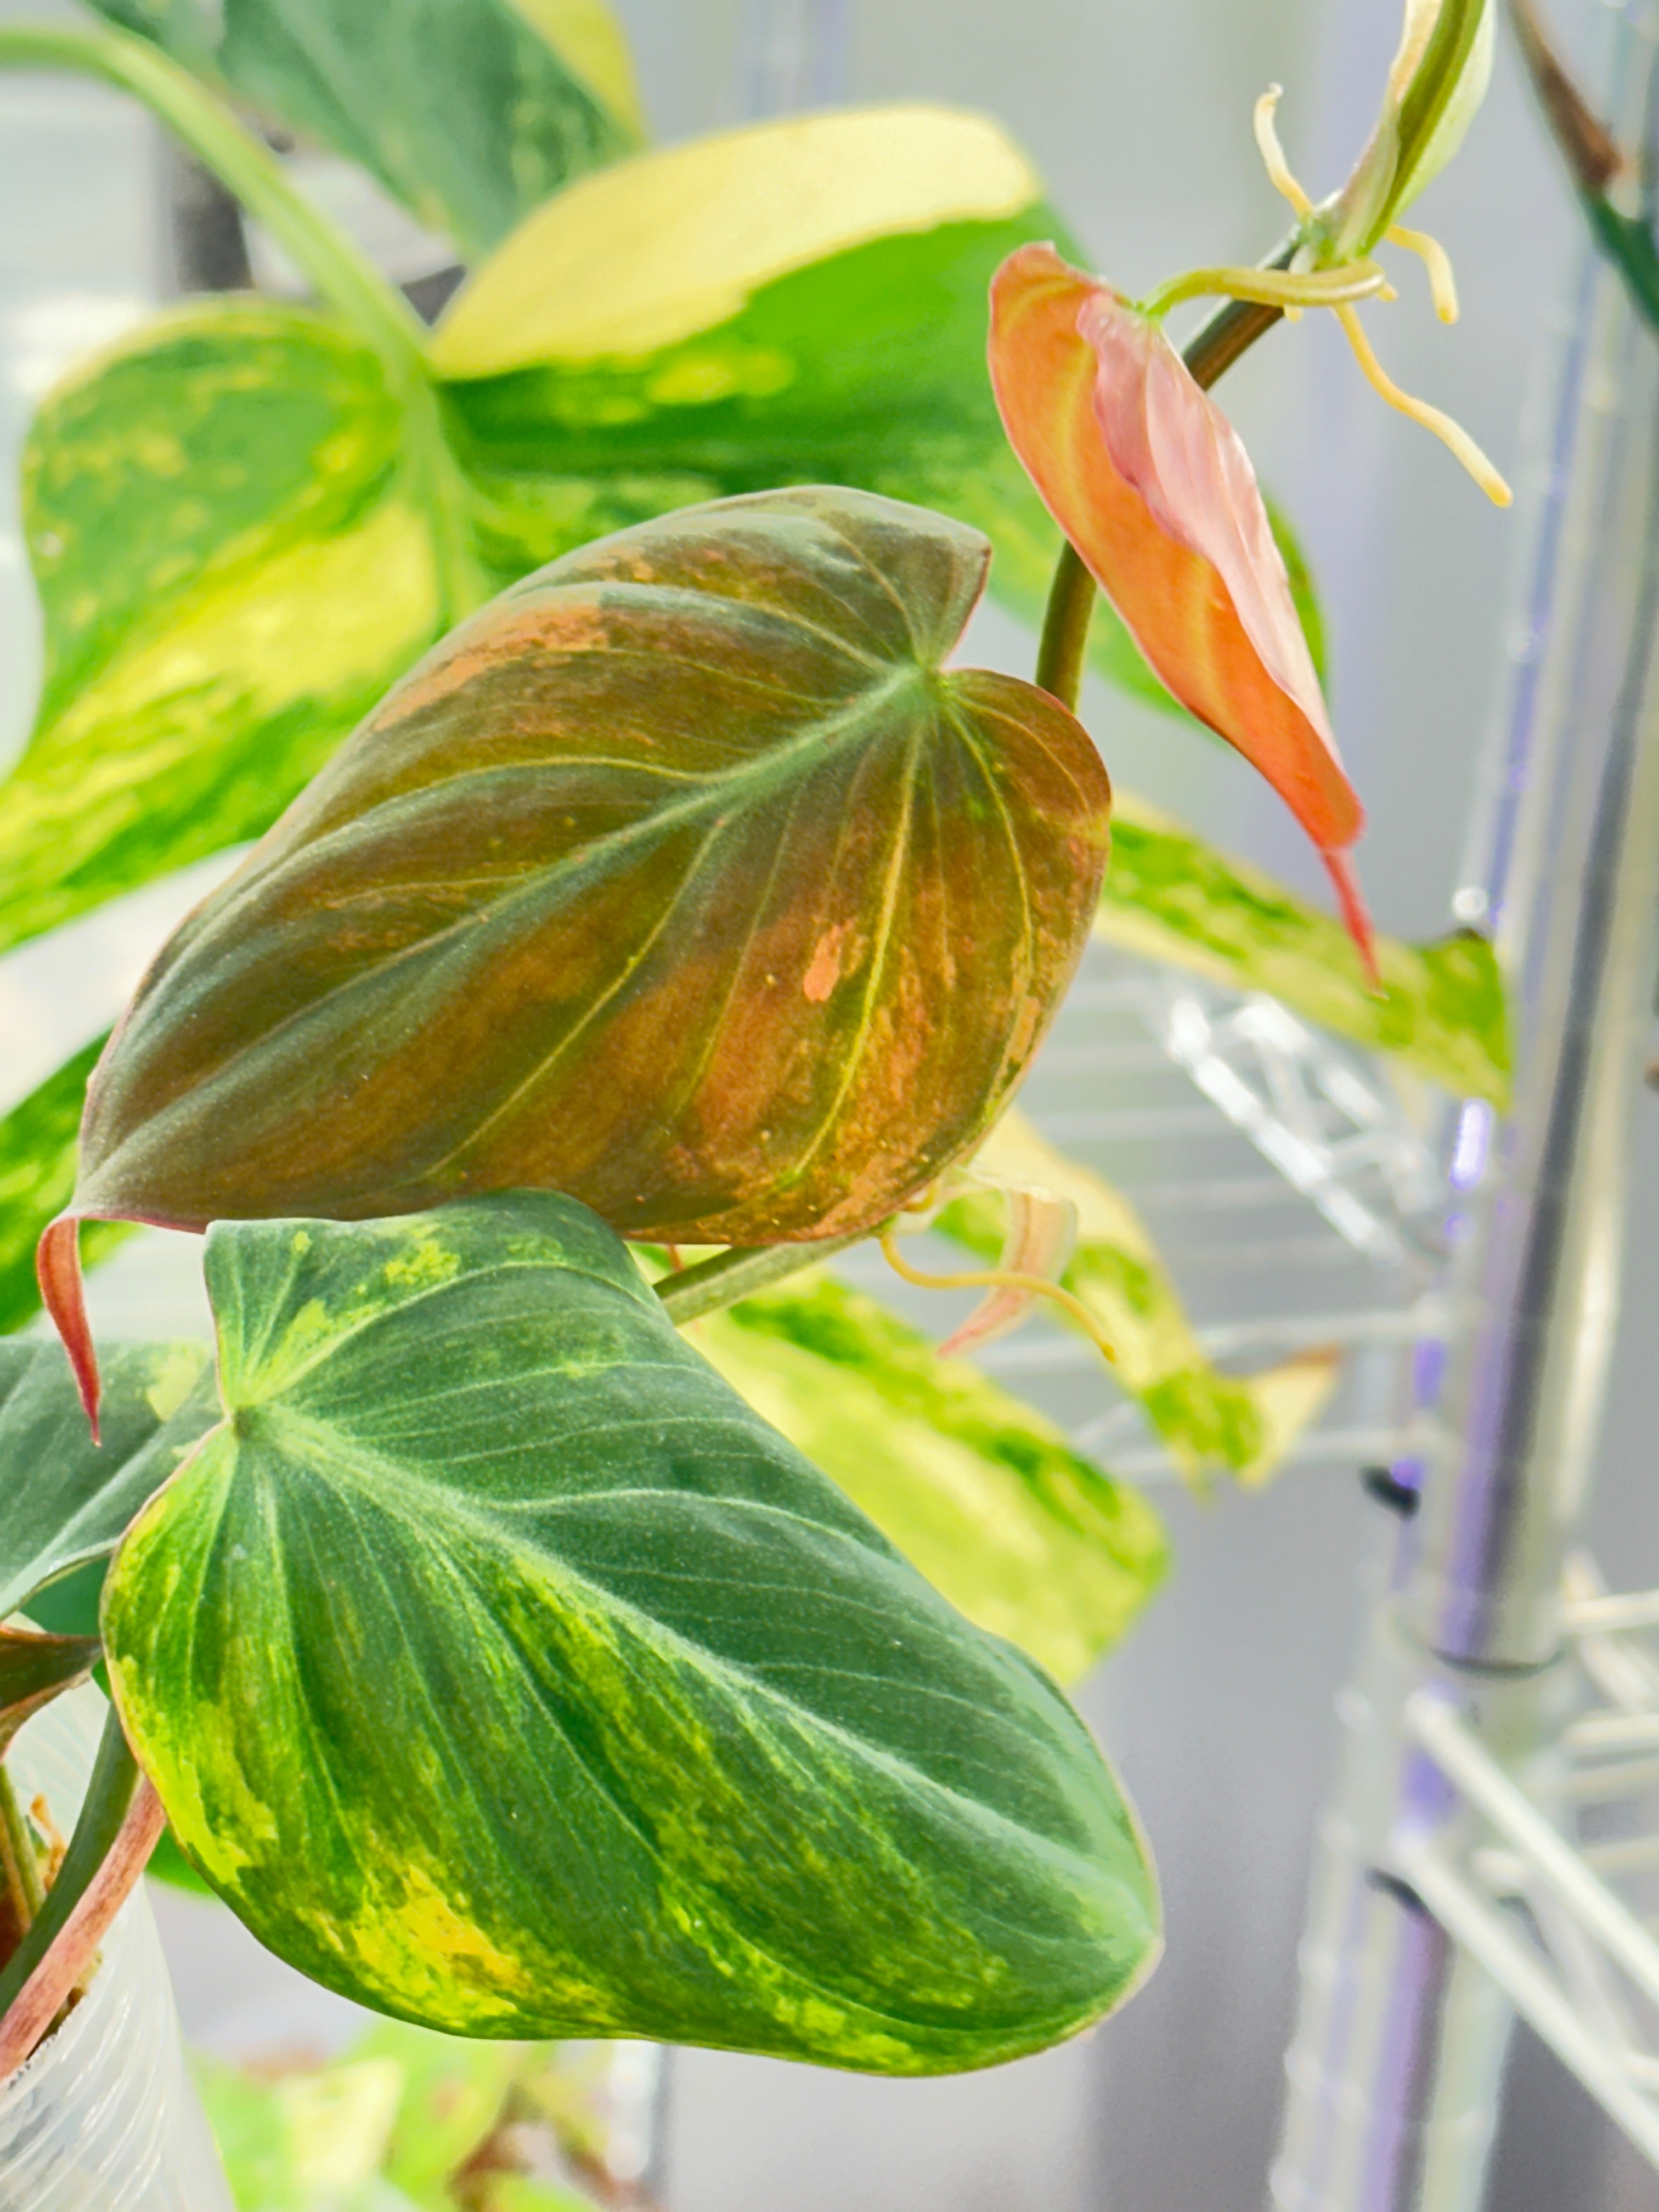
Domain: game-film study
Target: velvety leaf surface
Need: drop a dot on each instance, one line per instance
(1241, 1424)
(1441, 1009)
(802, 301)
(978, 1490)
(37, 1180)
(228, 530)
(681, 880)
(69, 1500)
(469, 111)
(504, 1671)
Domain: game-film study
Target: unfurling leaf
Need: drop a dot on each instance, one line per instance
(681, 880)
(504, 1671)
(1152, 485)
(1439, 76)
(979, 1491)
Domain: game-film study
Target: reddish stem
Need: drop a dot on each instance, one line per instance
(41, 1998)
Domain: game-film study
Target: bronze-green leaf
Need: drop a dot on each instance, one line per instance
(503, 1670)
(681, 878)
(796, 301)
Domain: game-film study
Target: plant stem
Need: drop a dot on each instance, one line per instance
(120, 1822)
(20, 1869)
(345, 277)
(730, 1276)
(1229, 332)
(1066, 627)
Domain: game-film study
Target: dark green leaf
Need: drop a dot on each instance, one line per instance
(37, 1180)
(1441, 1010)
(68, 1499)
(681, 880)
(234, 558)
(977, 1490)
(34, 1669)
(470, 111)
(504, 1671)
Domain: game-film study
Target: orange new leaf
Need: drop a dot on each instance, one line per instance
(1151, 484)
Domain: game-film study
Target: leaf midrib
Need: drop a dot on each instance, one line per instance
(388, 1487)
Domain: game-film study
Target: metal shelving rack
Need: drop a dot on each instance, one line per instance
(1492, 1851)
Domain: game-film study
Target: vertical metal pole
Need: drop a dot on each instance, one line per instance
(1395, 2069)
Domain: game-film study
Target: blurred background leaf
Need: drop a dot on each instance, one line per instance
(469, 111)
(980, 1492)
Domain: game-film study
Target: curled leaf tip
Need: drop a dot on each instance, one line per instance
(57, 1266)
(1352, 902)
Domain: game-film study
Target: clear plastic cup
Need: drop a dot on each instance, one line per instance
(103, 2117)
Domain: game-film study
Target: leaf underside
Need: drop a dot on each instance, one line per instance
(504, 1672)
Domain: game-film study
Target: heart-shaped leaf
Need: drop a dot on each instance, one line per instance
(681, 880)
(68, 1500)
(469, 111)
(504, 1671)
(978, 1490)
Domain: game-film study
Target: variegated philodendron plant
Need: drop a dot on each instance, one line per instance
(529, 1624)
